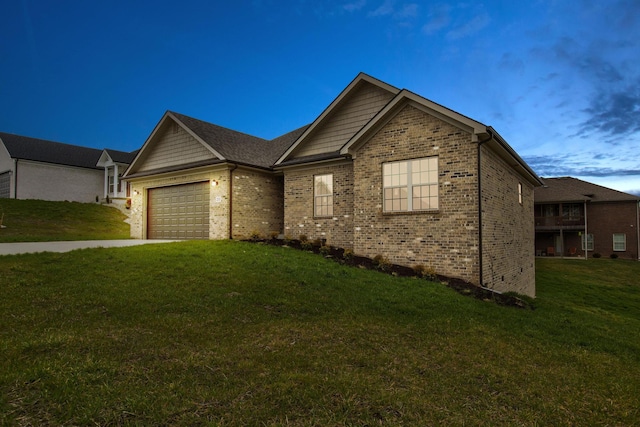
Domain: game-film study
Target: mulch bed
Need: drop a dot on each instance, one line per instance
(338, 254)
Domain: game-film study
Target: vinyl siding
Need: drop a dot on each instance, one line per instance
(346, 120)
(174, 146)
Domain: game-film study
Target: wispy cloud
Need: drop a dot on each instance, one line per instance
(469, 27)
(354, 6)
(392, 9)
(439, 17)
(384, 9)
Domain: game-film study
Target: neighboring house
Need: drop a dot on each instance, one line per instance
(115, 163)
(32, 168)
(578, 218)
(382, 171)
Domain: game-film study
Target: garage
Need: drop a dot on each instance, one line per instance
(179, 212)
(5, 185)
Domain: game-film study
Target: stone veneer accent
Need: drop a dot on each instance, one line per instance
(446, 239)
(298, 205)
(508, 233)
(256, 203)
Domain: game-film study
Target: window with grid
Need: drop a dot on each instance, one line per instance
(587, 242)
(323, 195)
(410, 185)
(620, 242)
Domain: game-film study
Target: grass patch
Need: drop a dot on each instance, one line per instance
(39, 220)
(231, 334)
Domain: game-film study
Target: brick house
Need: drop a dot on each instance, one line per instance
(576, 218)
(381, 171)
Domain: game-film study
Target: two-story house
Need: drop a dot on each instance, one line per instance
(576, 218)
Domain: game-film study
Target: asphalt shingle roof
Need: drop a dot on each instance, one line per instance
(568, 189)
(240, 147)
(121, 156)
(40, 150)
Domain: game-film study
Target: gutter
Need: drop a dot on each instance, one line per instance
(480, 245)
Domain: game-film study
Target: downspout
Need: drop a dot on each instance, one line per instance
(480, 245)
(586, 233)
(235, 166)
(15, 178)
(638, 229)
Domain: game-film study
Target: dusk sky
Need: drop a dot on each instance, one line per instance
(559, 80)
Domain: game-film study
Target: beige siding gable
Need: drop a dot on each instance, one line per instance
(172, 145)
(362, 104)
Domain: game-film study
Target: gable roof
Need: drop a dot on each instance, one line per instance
(568, 189)
(41, 150)
(121, 156)
(360, 79)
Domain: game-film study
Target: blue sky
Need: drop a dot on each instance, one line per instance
(559, 80)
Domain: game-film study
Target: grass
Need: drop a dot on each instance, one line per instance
(39, 220)
(237, 334)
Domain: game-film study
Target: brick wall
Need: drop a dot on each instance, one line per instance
(605, 219)
(508, 228)
(219, 200)
(257, 205)
(298, 205)
(446, 239)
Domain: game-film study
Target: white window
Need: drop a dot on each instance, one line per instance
(410, 185)
(620, 242)
(589, 241)
(520, 192)
(111, 184)
(323, 195)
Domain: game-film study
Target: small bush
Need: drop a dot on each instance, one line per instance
(348, 255)
(325, 250)
(596, 255)
(317, 243)
(303, 238)
(306, 245)
(381, 263)
(613, 256)
(255, 235)
(274, 235)
(428, 273)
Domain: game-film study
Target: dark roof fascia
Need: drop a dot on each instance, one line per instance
(195, 165)
(311, 160)
(535, 179)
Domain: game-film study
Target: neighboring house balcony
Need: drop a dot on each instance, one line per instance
(559, 216)
(554, 223)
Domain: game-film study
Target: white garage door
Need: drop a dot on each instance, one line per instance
(178, 212)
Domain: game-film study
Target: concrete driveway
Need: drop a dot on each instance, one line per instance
(33, 247)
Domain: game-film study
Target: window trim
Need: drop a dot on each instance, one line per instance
(410, 186)
(624, 242)
(324, 196)
(520, 197)
(590, 242)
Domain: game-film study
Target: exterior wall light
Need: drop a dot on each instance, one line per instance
(136, 192)
(214, 182)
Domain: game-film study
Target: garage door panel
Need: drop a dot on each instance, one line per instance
(179, 212)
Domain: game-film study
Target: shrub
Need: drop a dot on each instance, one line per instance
(255, 235)
(317, 243)
(613, 256)
(306, 245)
(303, 238)
(428, 273)
(325, 250)
(348, 255)
(596, 255)
(274, 235)
(381, 263)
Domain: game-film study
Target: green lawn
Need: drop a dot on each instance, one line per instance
(233, 334)
(39, 220)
